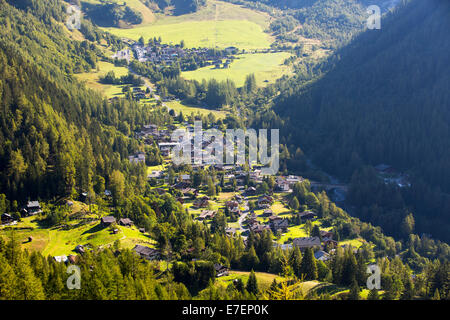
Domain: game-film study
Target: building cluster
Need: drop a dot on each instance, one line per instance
(167, 54)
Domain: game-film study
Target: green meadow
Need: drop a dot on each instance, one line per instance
(264, 279)
(267, 67)
(92, 78)
(178, 106)
(218, 24)
(84, 230)
(239, 33)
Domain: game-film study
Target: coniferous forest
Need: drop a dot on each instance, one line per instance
(85, 180)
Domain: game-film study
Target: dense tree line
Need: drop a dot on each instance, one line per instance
(354, 116)
(47, 115)
(111, 14)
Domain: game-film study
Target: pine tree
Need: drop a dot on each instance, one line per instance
(7, 280)
(294, 204)
(252, 284)
(296, 261)
(354, 291)
(308, 266)
(251, 259)
(436, 295)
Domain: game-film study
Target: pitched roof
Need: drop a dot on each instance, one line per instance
(33, 204)
(306, 242)
(108, 219)
(125, 221)
(145, 251)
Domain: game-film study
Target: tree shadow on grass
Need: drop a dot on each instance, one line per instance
(95, 229)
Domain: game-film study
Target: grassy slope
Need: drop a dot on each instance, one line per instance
(54, 242)
(264, 279)
(92, 78)
(187, 110)
(265, 66)
(230, 25)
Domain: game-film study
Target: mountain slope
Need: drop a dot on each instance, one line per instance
(386, 99)
(56, 135)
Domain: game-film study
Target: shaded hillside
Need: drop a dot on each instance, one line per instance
(56, 135)
(386, 100)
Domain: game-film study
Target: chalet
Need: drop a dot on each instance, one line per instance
(189, 192)
(181, 185)
(137, 158)
(107, 221)
(321, 255)
(307, 215)
(329, 242)
(155, 174)
(206, 214)
(274, 218)
(125, 222)
(279, 224)
(149, 129)
(33, 207)
(282, 187)
(201, 202)
(326, 234)
(252, 218)
(6, 218)
(60, 259)
(251, 191)
(264, 202)
(166, 147)
(306, 242)
(291, 180)
(258, 228)
(233, 206)
(220, 270)
(146, 252)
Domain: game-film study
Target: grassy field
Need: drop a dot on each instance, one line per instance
(355, 243)
(218, 24)
(218, 10)
(267, 67)
(293, 232)
(92, 78)
(264, 279)
(187, 110)
(58, 241)
(221, 34)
